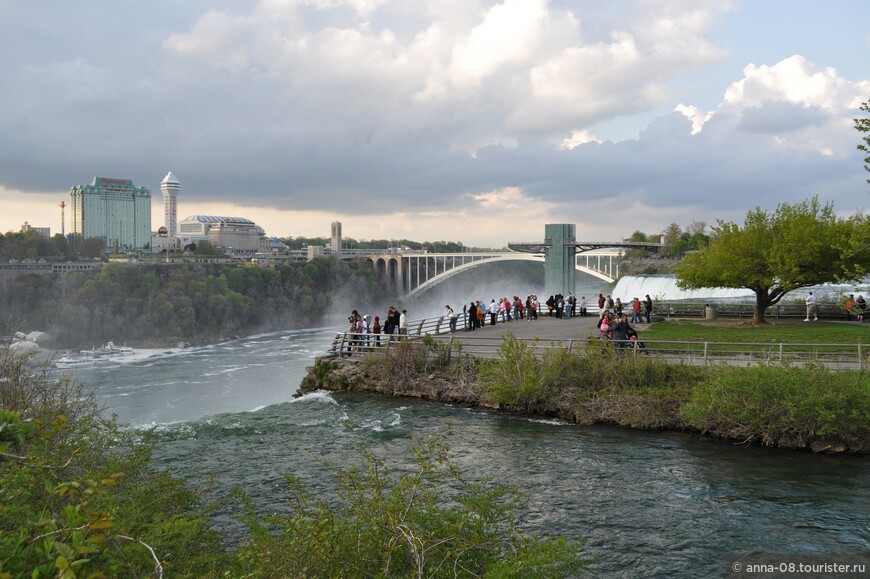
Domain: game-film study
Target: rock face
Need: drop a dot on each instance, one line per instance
(22, 346)
(349, 376)
(40, 338)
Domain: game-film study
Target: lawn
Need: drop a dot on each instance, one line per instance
(724, 330)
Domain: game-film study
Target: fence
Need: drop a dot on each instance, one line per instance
(834, 356)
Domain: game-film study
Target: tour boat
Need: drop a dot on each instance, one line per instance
(108, 350)
(67, 361)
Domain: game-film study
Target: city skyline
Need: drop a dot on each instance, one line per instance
(476, 122)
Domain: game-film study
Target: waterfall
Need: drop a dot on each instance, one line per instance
(664, 287)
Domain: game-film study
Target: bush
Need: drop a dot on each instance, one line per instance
(77, 497)
(789, 406)
(426, 522)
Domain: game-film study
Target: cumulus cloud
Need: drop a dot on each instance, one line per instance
(463, 115)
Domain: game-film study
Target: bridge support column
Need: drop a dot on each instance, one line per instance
(559, 263)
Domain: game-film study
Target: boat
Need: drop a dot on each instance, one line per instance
(108, 350)
(69, 361)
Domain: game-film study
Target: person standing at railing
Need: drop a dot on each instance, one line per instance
(569, 306)
(376, 330)
(403, 323)
(451, 317)
(582, 306)
(647, 307)
(493, 312)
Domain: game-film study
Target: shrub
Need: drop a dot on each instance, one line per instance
(426, 522)
(790, 406)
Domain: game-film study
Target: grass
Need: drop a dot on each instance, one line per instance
(740, 331)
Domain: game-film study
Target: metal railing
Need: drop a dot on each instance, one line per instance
(833, 356)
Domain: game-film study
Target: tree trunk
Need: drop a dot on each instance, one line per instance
(762, 300)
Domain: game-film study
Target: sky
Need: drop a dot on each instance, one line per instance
(460, 120)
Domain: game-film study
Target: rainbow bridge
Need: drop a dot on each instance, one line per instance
(412, 273)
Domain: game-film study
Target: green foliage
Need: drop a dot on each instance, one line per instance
(863, 126)
(78, 499)
(777, 405)
(788, 331)
(521, 378)
(181, 301)
(428, 521)
(774, 253)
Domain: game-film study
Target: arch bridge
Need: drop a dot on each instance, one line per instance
(412, 273)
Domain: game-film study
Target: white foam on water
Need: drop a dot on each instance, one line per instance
(316, 396)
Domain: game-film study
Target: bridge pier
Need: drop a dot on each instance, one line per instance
(560, 261)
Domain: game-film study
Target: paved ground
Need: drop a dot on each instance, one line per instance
(545, 328)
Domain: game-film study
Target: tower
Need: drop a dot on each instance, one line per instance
(62, 218)
(170, 186)
(335, 238)
(559, 263)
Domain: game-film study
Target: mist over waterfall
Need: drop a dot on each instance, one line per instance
(664, 287)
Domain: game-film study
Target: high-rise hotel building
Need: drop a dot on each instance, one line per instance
(113, 209)
(170, 186)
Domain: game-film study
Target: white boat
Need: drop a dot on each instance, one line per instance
(68, 361)
(108, 350)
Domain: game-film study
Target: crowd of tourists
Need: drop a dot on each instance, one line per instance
(365, 331)
(504, 310)
(613, 321)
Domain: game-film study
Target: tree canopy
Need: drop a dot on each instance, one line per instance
(863, 125)
(774, 253)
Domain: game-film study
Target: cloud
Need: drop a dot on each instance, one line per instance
(465, 115)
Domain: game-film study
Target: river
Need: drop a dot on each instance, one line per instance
(657, 504)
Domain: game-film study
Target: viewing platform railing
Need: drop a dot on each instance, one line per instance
(834, 356)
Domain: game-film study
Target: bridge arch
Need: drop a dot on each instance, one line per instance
(444, 276)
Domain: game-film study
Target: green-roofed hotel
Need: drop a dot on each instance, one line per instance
(113, 209)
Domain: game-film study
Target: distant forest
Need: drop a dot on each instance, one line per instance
(162, 304)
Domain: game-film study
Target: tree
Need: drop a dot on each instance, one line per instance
(863, 125)
(774, 253)
(670, 237)
(91, 247)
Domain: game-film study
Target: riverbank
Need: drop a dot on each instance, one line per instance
(809, 408)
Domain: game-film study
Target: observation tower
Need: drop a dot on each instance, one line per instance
(170, 186)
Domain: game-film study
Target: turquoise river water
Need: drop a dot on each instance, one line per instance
(663, 504)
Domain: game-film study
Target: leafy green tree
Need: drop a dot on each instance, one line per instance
(670, 239)
(205, 247)
(863, 125)
(774, 253)
(91, 247)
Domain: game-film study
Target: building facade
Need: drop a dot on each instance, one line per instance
(235, 235)
(113, 209)
(335, 238)
(170, 187)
